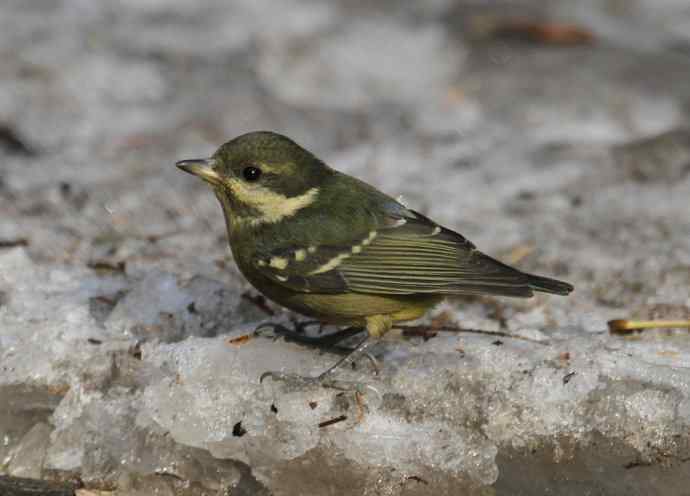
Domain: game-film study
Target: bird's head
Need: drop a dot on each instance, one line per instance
(261, 177)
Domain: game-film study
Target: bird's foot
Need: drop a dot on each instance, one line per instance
(324, 379)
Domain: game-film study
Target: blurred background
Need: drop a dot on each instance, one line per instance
(516, 122)
(553, 134)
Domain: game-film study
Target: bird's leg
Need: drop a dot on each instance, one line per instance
(323, 378)
(349, 358)
(376, 326)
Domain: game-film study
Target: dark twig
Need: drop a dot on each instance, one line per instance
(11, 243)
(423, 330)
(332, 421)
(11, 141)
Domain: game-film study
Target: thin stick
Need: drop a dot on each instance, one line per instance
(332, 421)
(412, 329)
(625, 326)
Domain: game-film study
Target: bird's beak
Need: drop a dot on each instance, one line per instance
(201, 167)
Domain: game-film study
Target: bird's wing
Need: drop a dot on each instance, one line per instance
(406, 253)
(416, 255)
(298, 268)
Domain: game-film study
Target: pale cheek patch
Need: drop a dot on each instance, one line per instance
(272, 206)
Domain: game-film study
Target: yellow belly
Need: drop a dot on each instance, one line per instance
(354, 308)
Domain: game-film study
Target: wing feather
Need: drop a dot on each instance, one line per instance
(419, 256)
(407, 253)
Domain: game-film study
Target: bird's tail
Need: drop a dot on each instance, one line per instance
(548, 285)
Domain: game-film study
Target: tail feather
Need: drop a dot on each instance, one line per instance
(548, 285)
(492, 289)
(503, 280)
(522, 283)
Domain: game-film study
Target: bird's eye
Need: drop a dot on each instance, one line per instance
(251, 173)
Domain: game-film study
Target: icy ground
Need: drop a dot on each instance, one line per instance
(127, 359)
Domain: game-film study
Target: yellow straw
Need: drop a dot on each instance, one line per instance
(625, 326)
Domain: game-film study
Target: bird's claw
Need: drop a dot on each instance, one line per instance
(276, 329)
(374, 362)
(291, 379)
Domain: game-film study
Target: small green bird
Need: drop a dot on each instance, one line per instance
(332, 247)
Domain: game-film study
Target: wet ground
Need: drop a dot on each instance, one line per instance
(554, 135)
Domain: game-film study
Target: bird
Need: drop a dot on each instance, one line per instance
(334, 248)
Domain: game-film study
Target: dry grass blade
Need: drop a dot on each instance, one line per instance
(625, 326)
